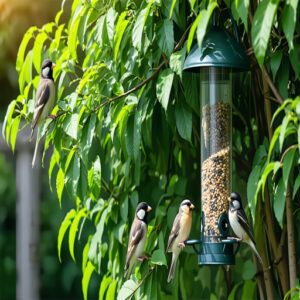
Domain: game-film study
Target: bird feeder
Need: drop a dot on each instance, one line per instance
(219, 56)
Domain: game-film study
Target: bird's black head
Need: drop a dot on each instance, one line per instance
(47, 69)
(142, 211)
(186, 206)
(235, 201)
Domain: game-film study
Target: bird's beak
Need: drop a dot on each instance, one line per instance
(229, 199)
(53, 65)
(149, 208)
(192, 206)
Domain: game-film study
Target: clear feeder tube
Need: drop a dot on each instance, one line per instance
(216, 97)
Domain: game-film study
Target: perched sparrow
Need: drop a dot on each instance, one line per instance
(239, 223)
(180, 232)
(45, 98)
(137, 237)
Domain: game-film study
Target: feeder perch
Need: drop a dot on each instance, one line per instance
(219, 56)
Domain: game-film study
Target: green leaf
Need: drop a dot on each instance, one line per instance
(177, 61)
(275, 62)
(137, 134)
(127, 290)
(71, 125)
(163, 87)
(261, 28)
(252, 187)
(298, 138)
(124, 210)
(165, 35)
(14, 132)
(69, 159)
(249, 270)
(73, 231)
(74, 174)
(26, 71)
(281, 108)
(60, 183)
(106, 281)
(88, 271)
(6, 127)
(158, 257)
(72, 36)
(112, 290)
(192, 33)
(249, 290)
(139, 25)
(296, 185)
(88, 133)
(200, 24)
(205, 16)
(37, 50)
(94, 255)
(63, 228)
(137, 30)
(50, 171)
(172, 8)
(287, 165)
(94, 178)
(273, 141)
(133, 135)
(262, 182)
(294, 59)
(279, 201)
(233, 292)
(120, 29)
(283, 77)
(283, 129)
(22, 49)
(242, 7)
(289, 19)
(110, 24)
(184, 120)
(85, 257)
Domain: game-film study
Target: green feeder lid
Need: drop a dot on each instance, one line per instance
(219, 49)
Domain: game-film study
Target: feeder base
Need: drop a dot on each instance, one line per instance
(217, 253)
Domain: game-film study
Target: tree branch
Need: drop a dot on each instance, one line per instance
(137, 87)
(141, 84)
(272, 86)
(291, 238)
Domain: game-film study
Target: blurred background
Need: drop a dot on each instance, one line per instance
(56, 280)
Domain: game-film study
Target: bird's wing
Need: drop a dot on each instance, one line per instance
(42, 96)
(242, 218)
(138, 230)
(174, 231)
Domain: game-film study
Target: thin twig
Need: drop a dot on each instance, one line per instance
(142, 281)
(272, 86)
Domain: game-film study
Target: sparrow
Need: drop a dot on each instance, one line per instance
(44, 99)
(179, 234)
(239, 222)
(137, 237)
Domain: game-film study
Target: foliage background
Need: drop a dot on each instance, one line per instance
(128, 130)
(58, 280)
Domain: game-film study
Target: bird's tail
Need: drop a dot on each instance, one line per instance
(31, 135)
(172, 267)
(128, 270)
(252, 245)
(35, 151)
